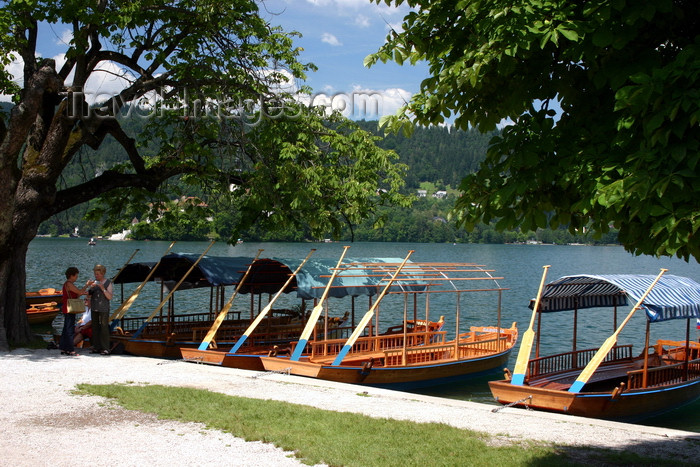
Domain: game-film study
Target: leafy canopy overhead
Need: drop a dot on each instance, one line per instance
(217, 86)
(604, 101)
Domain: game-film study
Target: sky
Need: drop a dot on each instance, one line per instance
(337, 35)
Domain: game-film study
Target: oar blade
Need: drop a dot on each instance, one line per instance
(315, 313)
(368, 316)
(204, 345)
(593, 364)
(518, 378)
(124, 307)
(263, 313)
(299, 348)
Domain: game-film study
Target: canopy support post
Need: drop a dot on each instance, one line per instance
(646, 357)
(456, 328)
(687, 349)
(575, 329)
(498, 321)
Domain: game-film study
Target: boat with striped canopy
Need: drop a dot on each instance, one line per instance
(611, 381)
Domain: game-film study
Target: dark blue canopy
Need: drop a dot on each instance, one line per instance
(134, 272)
(210, 271)
(356, 276)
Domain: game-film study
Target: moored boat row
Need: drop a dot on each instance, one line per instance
(410, 335)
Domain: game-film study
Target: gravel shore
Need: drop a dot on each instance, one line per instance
(43, 423)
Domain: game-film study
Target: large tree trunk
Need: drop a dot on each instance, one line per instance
(16, 330)
(13, 275)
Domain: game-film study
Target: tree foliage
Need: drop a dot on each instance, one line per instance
(622, 150)
(215, 83)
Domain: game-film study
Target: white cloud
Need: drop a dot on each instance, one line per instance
(504, 123)
(65, 38)
(362, 21)
(330, 39)
(391, 99)
(108, 80)
(362, 103)
(15, 68)
(345, 8)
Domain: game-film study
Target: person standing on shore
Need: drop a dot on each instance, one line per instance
(100, 295)
(70, 290)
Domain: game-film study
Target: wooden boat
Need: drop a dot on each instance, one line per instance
(43, 306)
(164, 335)
(167, 337)
(610, 382)
(260, 344)
(40, 314)
(385, 361)
(417, 352)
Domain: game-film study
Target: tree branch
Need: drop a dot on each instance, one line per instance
(109, 180)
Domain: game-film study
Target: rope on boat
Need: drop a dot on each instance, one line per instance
(498, 409)
(287, 371)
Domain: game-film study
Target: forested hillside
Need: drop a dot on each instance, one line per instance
(437, 154)
(437, 157)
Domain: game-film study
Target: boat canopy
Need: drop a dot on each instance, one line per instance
(211, 271)
(357, 276)
(134, 272)
(673, 297)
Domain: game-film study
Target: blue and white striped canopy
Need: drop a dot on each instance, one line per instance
(673, 297)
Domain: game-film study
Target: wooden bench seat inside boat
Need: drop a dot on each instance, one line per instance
(604, 377)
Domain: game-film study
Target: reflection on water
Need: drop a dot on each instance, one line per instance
(520, 265)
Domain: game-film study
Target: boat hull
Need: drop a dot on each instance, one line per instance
(223, 358)
(151, 347)
(42, 316)
(630, 405)
(37, 298)
(43, 306)
(399, 377)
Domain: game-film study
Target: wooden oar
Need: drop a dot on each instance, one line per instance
(124, 307)
(368, 316)
(526, 344)
(263, 313)
(165, 300)
(315, 313)
(224, 311)
(597, 359)
(125, 264)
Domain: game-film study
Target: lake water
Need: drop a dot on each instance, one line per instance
(519, 265)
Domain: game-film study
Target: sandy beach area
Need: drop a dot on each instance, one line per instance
(44, 423)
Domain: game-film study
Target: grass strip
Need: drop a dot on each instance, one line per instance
(347, 439)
